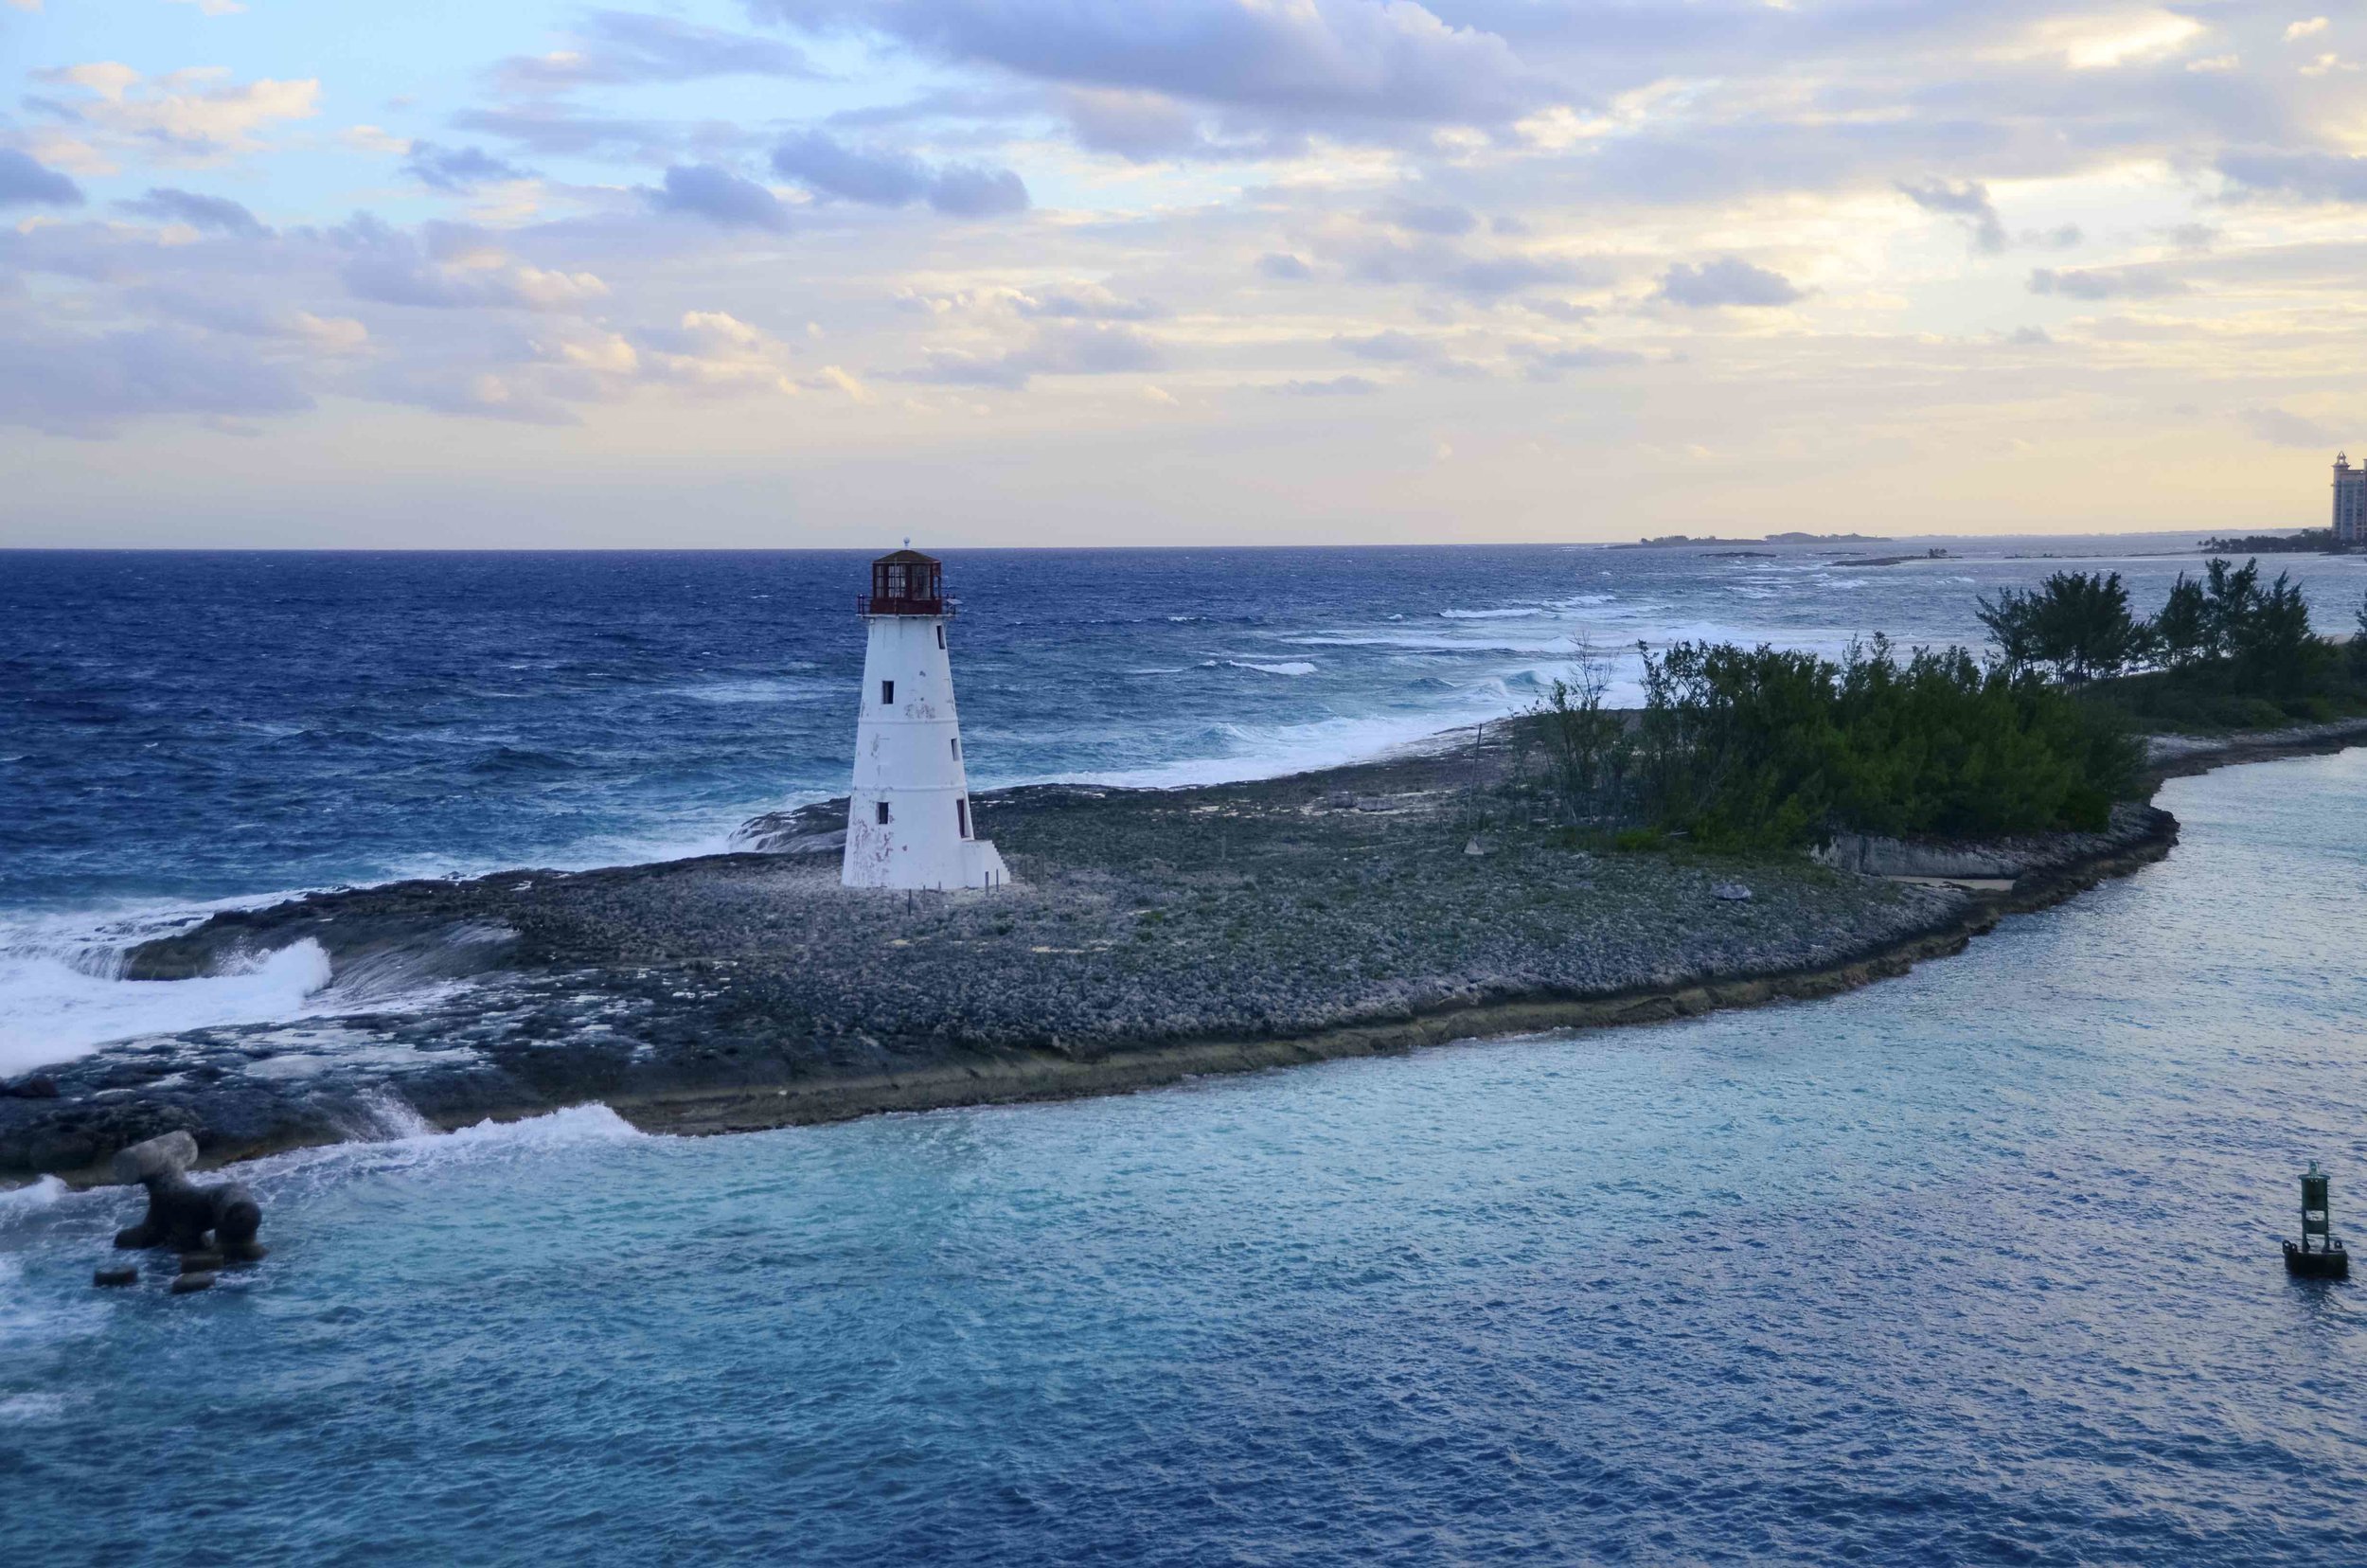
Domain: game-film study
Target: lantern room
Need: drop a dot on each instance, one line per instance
(905, 582)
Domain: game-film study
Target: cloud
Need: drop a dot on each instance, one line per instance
(614, 49)
(209, 8)
(2310, 28)
(1549, 361)
(2141, 282)
(1338, 386)
(1060, 350)
(824, 167)
(1372, 59)
(89, 385)
(2310, 177)
(449, 266)
(1388, 348)
(215, 214)
(220, 309)
(720, 197)
(1728, 280)
(713, 351)
(1444, 219)
(2103, 41)
(557, 131)
(828, 168)
(191, 116)
(457, 168)
(971, 191)
(24, 183)
(1437, 263)
(1086, 302)
(1284, 267)
(1138, 125)
(1968, 201)
(2278, 428)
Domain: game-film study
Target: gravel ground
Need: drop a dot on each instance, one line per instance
(1139, 922)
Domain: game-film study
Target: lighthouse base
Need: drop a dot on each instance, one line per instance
(2331, 1263)
(981, 866)
(874, 859)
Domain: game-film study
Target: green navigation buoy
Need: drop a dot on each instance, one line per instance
(2326, 1260)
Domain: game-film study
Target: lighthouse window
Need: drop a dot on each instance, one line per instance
(940, 636)
(957, 748)
(887, 693)
(961, 816)
(883, 813)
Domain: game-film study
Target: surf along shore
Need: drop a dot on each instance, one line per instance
(1151, 935)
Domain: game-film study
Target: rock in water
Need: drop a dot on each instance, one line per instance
(181, 1214)
(189, 1282)
(124, 1275)
(166, 1155)
(1731, 892)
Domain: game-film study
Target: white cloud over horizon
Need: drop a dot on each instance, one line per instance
(1020, 270)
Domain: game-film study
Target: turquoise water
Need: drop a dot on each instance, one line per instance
(1979, 1265)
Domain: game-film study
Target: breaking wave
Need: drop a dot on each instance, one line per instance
(52, 1012)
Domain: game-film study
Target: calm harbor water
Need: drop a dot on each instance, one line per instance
(1975, 1266)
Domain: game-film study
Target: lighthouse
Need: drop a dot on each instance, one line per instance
(908, 817)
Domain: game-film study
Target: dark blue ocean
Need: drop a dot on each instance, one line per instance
(1974, 1266)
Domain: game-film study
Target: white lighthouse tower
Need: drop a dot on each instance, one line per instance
(908, 822)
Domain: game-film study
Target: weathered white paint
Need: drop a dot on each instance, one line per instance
(908, 755)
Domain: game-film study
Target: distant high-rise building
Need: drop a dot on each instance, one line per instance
(2349, 501)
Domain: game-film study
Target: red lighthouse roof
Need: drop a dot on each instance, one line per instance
(905, 582)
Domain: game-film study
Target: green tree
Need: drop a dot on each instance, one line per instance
(2271, 643)
(2228, 593)
(2182, 632)
(2077, 622)
(1586, 744)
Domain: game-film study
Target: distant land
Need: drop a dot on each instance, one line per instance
(1770, 539)
(2307, 542)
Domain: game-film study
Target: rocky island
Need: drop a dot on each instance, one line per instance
(1147, 935)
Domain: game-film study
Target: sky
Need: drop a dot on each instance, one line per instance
(789, 273)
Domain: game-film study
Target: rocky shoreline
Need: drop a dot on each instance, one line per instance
(1151, 935)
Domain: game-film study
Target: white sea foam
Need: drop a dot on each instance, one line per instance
(1294, 667)
(43, 1194)
(405, 1141)
(52, 1012)
(1268, 751)
(1527, 613)
(18, 1409)
(772, 690)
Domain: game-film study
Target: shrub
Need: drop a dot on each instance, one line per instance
(1766, 747)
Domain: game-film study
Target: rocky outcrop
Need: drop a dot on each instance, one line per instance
(1154, 933)
(1992, 860)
